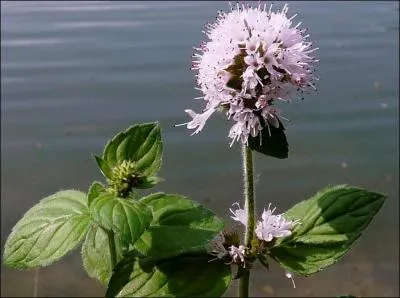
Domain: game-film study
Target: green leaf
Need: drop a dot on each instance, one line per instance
(184, 276)
(149, 182)
(173, 260)
(330, 223)
(168, 241)
(94, 191)
(140, 143)
(271, 141)
(104, 167)
(48, 231)
(127, 218)
(179, 226)
(96, 254)
(177, 210)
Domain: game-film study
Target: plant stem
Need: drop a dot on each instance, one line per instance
(248, 179)
(36, 283)
(113, 252)
(244, 284)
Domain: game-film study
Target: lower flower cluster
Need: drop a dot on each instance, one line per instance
(226, 245)
(271, 226)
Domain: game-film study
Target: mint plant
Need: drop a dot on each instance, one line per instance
(132, 244)
(169, 245)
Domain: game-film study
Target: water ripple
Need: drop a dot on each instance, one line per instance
(33, 42)
(98, 24)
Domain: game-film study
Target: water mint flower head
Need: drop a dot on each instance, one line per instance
(253, 57)
(273, 226)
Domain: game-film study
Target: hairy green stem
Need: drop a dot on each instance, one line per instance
(244, 285)
(248, 179)
(113, 251)
(36, 283)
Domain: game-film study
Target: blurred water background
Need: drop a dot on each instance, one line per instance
(75, 73)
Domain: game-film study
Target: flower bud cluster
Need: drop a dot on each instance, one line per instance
(124, 178)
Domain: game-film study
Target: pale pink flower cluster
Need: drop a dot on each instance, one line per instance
(239, 214)
(253, 57)
(237, 253)
(216, 248)
(270, 226)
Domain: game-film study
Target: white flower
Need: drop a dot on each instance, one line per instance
(216, 246)
(273, 226)
(253, 57)
(239, 214)
(237, 253)
(290, 275)
(199, 120)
